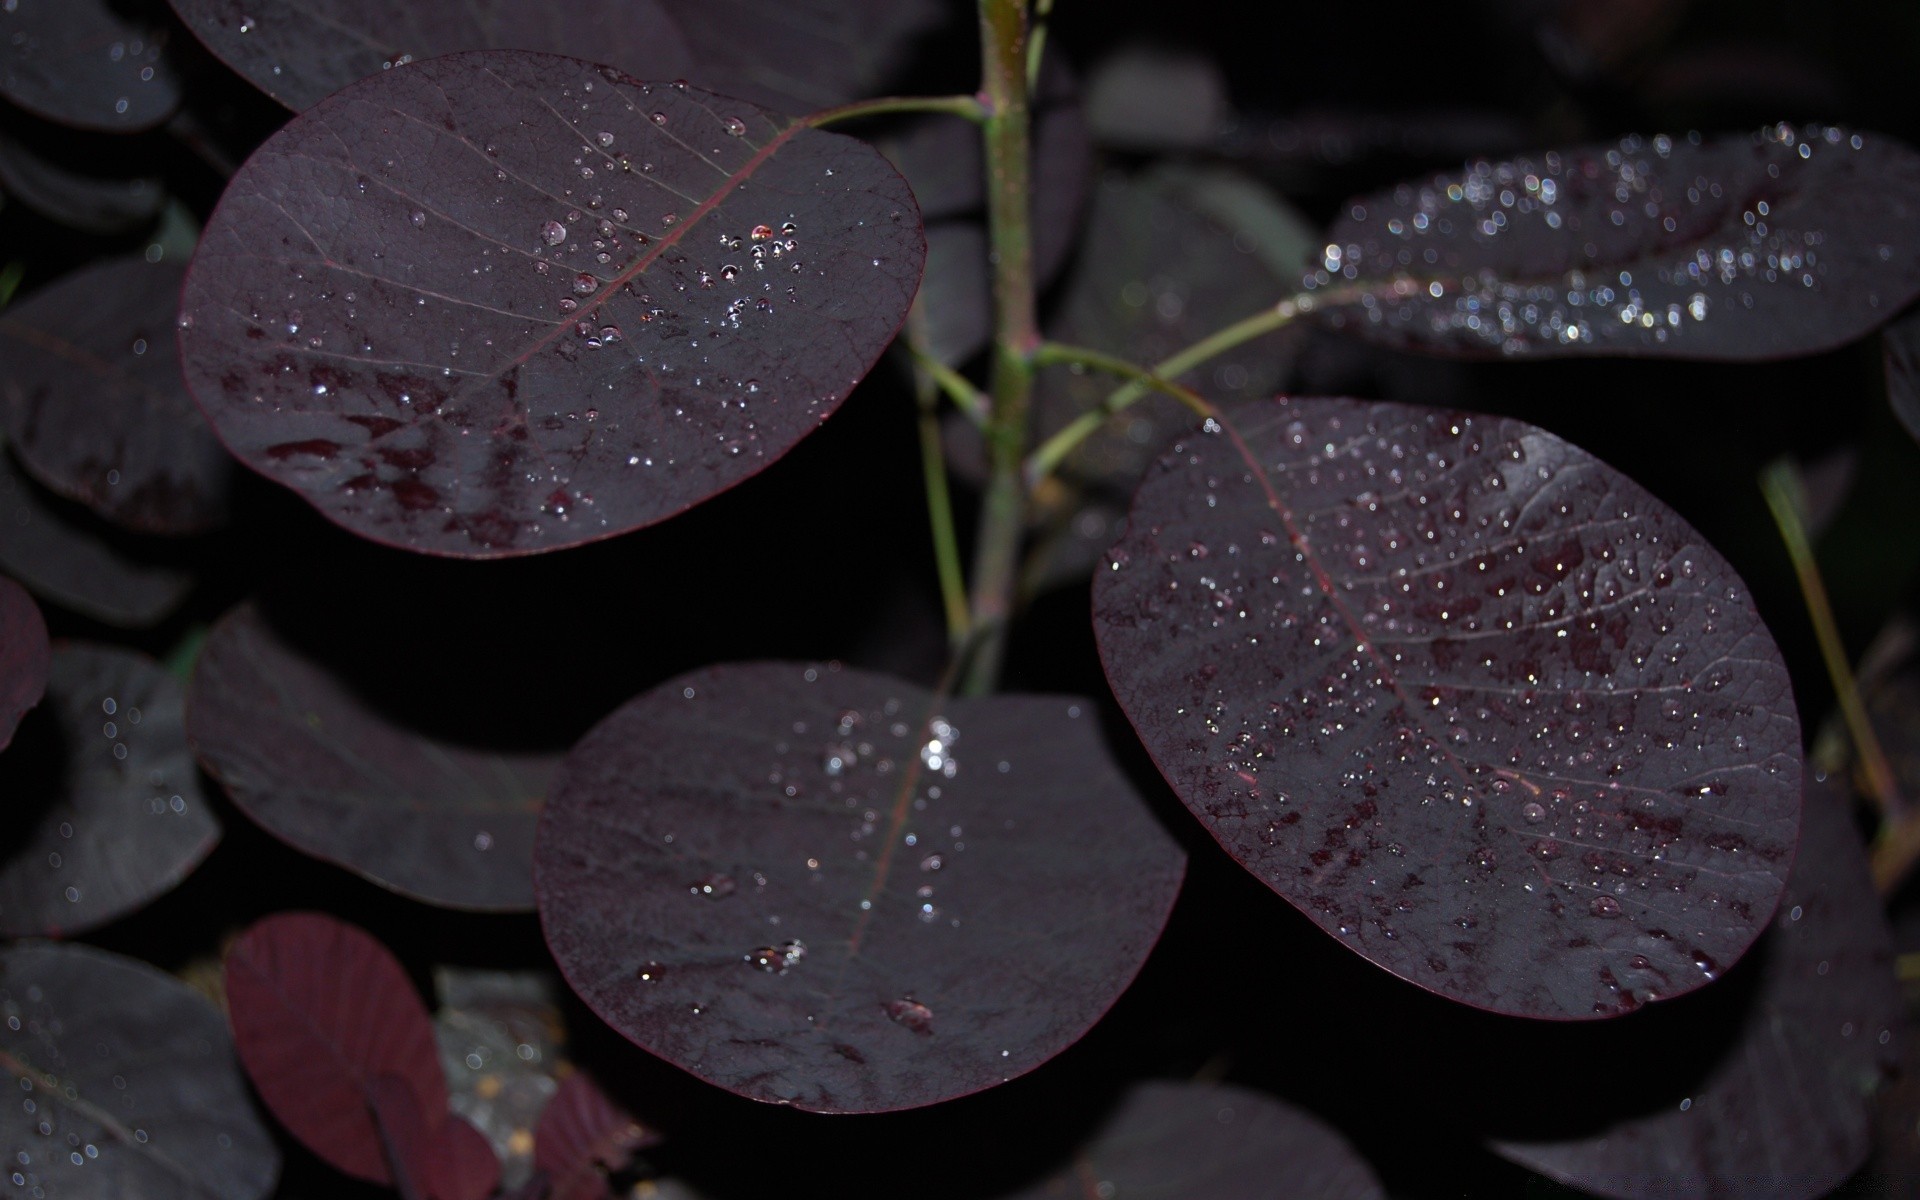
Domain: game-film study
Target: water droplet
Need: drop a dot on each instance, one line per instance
(553, 233)
(659, 118)
(713, 887)
(604, 138)
(911, 1013)
(1604, 906)
(584, 284)
(761, 233)
(417, 218)
(735, 126)
(776, 960)
(1533, 812)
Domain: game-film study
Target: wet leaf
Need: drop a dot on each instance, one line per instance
(801, 55)
(1484, 710)
(583, 1135)
(1790, 241)
(321, 1012)
(829, 889)
(299, 51)
(328, 768)
(64, 559)
(93, 402)
(1901, 345)
(83, 200)
(122, 1083)
(90, 63)
(400, 308)
(1785, 1106)
(1210, 1141)
(25, 656)
(104, 811)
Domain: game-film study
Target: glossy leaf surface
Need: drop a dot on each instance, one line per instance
(104, 810)
(64, 558)
(25, 656)
(1482, 708)
(121, 1082)
(1787, 242)
(801, 55)
(299, 51)
(501, 302)
(582, 1135)
(91, 63)
(1210, 1141)
(1784, 1108)
(93, 402)
(1902, 349)
(320, 1012)
(826, 888)
(323, 765)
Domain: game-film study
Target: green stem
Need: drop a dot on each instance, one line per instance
(1051, 354)
(1037, 48)
(1003, 44)
(969, 107)
(970, 400)
(946, 544)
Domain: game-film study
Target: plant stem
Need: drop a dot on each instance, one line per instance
(1003, 45)
(933, 466)
(958, 388)
(1059, 353)
(1037, 48)
(969, 107)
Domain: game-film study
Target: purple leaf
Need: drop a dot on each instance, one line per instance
(90, 63)
(1210, 1141)
(1822, 1017)
(800, 55)
(830, 889)
(299, 51)
(1484, 710)
(94, 405)
(444, 1160)
(83, 200)
(322, 766)
(581, 1136)
(457, 320)
(104, 809)
(70, 564)
(121, 1082)
(1901, 346)
(25, 656)
(320, 1012)
(1784, 243)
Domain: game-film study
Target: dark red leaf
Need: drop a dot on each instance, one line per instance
(581, 1136)
(320, 1010)
(66, 561)
(1787, 242)
(1486, 711)
(1822, 1019)
(320, 764)
(458, 321)
(121, 1082)
(465, 1167)
(90, 63)
(83, 200)
(94, 405)
(299, 51)
(104, 811)
(1210, 1141)
(1901, 346)
(447, 1160)
(830, 889)
(801, 55)
(25, 656)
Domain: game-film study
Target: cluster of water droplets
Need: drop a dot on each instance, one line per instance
(1638, 244)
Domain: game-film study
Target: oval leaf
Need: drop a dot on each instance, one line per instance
(1787, 242)
(1486, 711)
(104, 809)
(94, 405)
(300, 52)
(45, 179)
(1824, 1013)
(321, 1011)
(323, 767)
(66, 560)
(1210, 1141)
(581, 1136)
(792, 884)
(1901, 347)
(122, 1083)
(25, 656)
(501, 302)
(90, 63)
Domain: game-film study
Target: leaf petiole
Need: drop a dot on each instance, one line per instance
(969, 107)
